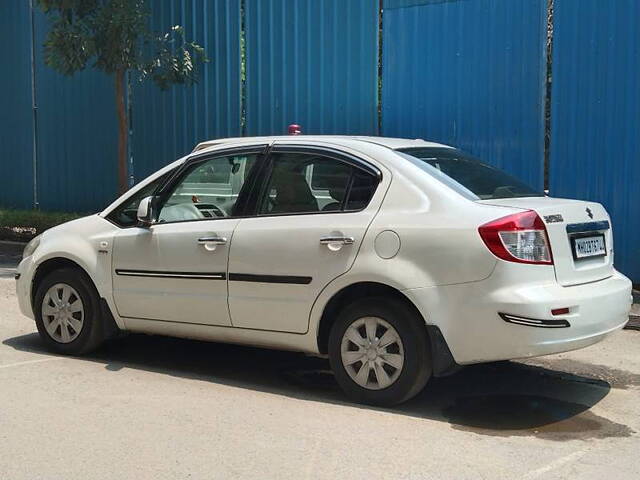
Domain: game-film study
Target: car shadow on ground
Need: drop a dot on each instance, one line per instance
(500, 399)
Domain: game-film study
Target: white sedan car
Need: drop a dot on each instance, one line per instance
(400, 259)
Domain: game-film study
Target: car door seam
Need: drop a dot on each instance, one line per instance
(227, 272)
(364, 235)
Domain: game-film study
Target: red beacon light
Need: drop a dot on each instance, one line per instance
(295, 129)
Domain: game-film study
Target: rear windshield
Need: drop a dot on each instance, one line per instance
(484, 181)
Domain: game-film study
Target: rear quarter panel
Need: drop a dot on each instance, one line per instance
(438, 231)
(439, 239)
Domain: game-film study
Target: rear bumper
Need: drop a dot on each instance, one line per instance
(468, 316)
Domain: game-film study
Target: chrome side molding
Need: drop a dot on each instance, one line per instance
(532, 322)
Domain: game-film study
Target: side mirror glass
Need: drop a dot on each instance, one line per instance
(145, 211)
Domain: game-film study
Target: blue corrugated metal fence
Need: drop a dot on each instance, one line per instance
(312, 63)
(470, 74)
(16, 117)
(464, 72)
(167, 124)
(76, 135)
(595, 142)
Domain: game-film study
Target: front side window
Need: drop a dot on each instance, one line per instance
(307, 183)
(482, 180)
(208, 189)
(126, 215)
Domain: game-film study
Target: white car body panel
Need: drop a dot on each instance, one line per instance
(441, 265)
(596, 309)
(173, 247)
(87, 242)
(289, 247)
(569, 272)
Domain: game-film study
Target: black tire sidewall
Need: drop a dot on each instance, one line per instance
(417, 362)
(90, 334)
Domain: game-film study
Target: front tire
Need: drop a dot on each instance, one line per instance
(379, 351)
(67, 312)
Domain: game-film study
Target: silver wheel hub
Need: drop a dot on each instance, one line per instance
(372, 353)
(62, 313)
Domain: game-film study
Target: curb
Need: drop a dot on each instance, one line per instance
(9, 248)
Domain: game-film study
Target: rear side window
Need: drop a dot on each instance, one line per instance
(484, 181)
(362, 187)
(310, 183)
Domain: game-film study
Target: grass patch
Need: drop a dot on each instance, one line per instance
(23, 225)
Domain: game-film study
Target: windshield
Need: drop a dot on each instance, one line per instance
(484, 181)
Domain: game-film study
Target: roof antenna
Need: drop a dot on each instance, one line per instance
(295, 129)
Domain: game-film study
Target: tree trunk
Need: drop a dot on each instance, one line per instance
(123, 184)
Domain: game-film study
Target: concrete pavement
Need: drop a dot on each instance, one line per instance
(160, 408)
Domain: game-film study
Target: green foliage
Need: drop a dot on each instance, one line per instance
(26, 224)
(116, 36)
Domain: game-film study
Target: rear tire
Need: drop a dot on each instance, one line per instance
(67, 312)
(389, 341)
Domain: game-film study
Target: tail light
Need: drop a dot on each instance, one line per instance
(521, 238)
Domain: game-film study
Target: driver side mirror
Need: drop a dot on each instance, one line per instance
(145, 212)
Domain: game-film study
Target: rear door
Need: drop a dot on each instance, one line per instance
(311, 214)
(580, 235)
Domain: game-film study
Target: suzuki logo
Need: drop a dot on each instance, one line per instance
(589, 212)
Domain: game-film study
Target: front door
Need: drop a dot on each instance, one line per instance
(309, 222)
(176, 270)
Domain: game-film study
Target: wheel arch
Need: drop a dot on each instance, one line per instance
(51, 265)
(349, 294)
(443, 362)
(110, 326)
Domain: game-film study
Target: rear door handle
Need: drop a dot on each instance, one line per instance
(212, 241)
(331, 240)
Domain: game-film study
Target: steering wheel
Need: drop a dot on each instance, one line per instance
(180, 212)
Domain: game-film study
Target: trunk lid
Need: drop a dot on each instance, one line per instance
(568, 220)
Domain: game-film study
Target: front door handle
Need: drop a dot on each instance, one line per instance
(333, 240)
(212, 241)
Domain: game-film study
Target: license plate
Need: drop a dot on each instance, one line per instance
(589, 246)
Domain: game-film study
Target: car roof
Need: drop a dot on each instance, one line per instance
(343, 140)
